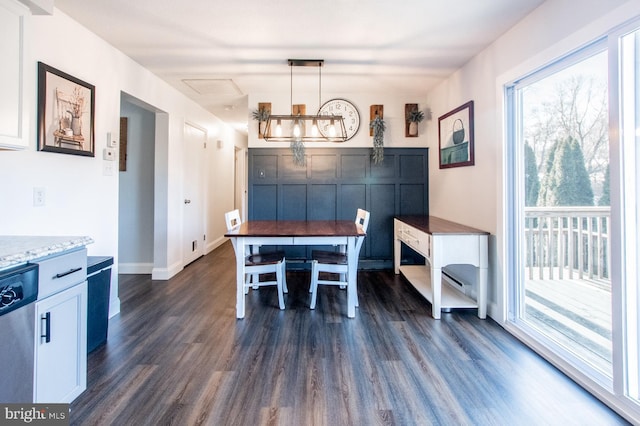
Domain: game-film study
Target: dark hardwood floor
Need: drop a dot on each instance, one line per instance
(176, 354)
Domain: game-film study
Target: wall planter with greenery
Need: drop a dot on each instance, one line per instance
(378, 126)
(261, 115)
(413, 117)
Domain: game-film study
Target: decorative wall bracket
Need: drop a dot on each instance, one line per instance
(375, 111)
(263, 124)
(410, 127)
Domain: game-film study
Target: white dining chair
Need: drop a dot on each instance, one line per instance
(257, 263)
(334, 262)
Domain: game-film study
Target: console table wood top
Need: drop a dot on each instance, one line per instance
(435, 225)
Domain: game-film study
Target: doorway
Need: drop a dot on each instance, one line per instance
(136, 190)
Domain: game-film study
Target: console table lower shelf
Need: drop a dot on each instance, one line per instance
(443, 244)
(450, 298)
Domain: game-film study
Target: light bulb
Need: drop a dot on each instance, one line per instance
(296, 129)
(332, 129)
(279, 128)
(314, 128)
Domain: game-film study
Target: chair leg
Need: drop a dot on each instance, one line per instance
(314, 284)
(247, 283)
(357, 301)
(285, 289)
(279, 278)
(255, 280)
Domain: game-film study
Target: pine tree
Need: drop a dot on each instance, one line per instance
(531, 179)
(605, 199)
(543, 193)
(567, 182)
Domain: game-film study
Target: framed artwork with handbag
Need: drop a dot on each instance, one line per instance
(455, 135)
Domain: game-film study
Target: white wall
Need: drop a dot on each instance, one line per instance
(475, 195)
(80, 199)
(220, 196)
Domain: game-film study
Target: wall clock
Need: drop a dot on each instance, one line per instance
(344, 108)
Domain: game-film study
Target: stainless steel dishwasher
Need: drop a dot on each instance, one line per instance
(18, 292)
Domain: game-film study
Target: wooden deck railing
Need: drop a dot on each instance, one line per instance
(571, 240)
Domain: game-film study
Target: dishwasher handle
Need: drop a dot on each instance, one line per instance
(47, 327)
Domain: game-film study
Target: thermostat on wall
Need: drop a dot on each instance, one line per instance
(111, 143)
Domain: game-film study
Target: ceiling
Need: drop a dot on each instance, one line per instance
(217, 52)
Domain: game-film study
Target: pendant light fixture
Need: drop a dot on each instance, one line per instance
(305, 128)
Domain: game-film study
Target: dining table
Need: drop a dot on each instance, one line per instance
(342, 233)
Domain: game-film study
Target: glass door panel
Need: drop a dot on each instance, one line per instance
(564, 289)
(629, 93)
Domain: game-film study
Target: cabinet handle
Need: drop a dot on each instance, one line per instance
(69, 272)
(47, 327)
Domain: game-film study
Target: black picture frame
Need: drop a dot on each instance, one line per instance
(455, 137)
(66, 113)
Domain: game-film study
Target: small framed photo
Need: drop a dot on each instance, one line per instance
(455, 133)
(66, 110)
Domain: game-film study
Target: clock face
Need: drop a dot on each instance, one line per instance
(347, 110)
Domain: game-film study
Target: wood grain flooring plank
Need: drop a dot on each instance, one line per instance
(177, 355)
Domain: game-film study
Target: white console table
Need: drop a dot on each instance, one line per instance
(442, 243)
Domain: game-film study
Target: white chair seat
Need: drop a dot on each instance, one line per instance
(257, 264)
(334, 262)
(329, 257)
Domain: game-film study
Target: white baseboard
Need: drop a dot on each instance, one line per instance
(135, 268)
(166, 273)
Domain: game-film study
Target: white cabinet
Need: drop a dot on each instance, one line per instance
(61, 351)
(61, 329)
(14, 111)
(442, 243)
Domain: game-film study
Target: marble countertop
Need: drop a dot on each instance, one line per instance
(17, 249)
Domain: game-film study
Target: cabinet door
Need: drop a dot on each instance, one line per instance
(61, 346)
(13, 109)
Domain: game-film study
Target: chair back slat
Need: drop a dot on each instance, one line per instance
(232, 219)
(362, 219)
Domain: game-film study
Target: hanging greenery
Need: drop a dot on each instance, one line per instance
(378, 126)
(415, 116)
(298, 151)
(261, 114)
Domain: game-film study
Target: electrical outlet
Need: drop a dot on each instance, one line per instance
(39, 196)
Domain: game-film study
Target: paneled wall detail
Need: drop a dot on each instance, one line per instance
(333, 184)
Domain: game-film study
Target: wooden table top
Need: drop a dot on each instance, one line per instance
(297, 228)
(435, 225)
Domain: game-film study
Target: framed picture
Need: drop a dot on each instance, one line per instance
(66, 108)
(455, 133)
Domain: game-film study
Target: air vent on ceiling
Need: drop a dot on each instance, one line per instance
(213, 86)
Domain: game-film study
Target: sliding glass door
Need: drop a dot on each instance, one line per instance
(573, 173)
(564, 285)
(628, 297)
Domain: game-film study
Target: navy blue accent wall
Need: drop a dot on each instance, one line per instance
(333, 184)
